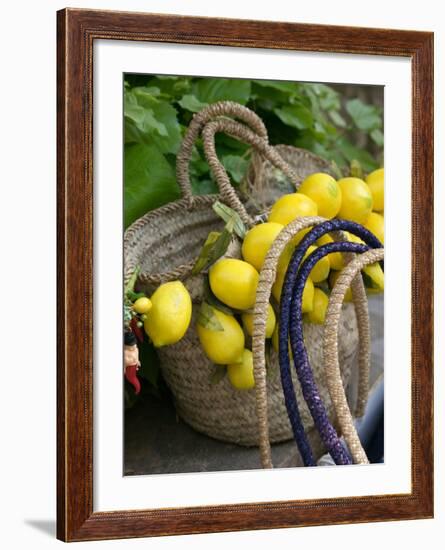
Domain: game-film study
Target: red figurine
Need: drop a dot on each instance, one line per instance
(131, 361)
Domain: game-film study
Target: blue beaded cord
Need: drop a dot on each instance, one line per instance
(304, 371)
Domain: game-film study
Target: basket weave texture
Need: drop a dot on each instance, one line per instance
(165, 244)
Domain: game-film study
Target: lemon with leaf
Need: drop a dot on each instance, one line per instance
(223, 339)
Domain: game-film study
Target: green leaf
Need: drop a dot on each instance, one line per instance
(377, 136)
(150, 368)
(354, 153)
(166, 114)
(207, 318)
(212, 250)
(236, 166)
(149, 181)
(365, 117)
(337, 119)
(328, 97)
(129, 287)
(149, 119)
(191, 103)
(296, 116)
(356, 169)
(229, 215)
(281, 86)
(210, 90)
(217, 374)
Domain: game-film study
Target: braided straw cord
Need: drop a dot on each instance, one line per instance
(242, 133)
(267, 278)
(199, 120)
(360, 300)
(330, 346)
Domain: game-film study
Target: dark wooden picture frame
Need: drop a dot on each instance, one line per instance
(77, 31)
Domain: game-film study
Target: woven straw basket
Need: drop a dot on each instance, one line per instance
(165, 244)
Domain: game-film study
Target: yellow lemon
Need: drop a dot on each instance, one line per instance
(278, 285)
(376, 224)
(374, 277)
(324, 191)
(308, 291)
(258, 241)
(353, 238)
(275, 341)
(247, 319)
(334, 275)
(170, 314)
(320, 305)
(234, 282)
(375, 181)
(335, 258)
(291, 206)
(356, 202)
(308, 296)
(374, 272)
(299, 236)
(241, 374)
(142, 305)
(222, 346)
(320, 271)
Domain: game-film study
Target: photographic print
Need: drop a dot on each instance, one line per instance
(215, 169)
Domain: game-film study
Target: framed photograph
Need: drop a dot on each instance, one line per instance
(225, 191)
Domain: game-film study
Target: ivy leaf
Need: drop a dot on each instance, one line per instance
(365, 117)
(191, 103)
(209, 90)
(355, 153)
(155, 120)
(207, 318)
(281, 86)
(296, 116)
(149, 180)
(236, 166)
(377, 136)
(204, 186)
(337, 119)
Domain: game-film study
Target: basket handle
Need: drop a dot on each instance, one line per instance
(264, 288)
(199, 120)
(330, 350)
(242, 133)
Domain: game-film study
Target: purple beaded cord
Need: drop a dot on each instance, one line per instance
(304, 371)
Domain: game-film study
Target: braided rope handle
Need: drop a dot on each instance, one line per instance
(330, 350)
(199, 120)
(360, 300)
(242, 133)
(266, 280)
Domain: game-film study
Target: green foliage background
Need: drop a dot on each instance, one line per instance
(157, 110)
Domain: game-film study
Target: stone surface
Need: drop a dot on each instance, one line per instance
(157, 441)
